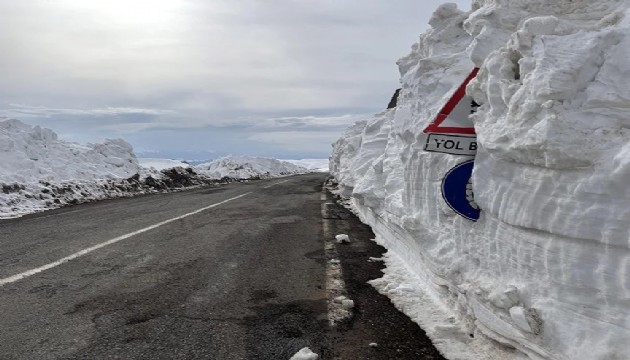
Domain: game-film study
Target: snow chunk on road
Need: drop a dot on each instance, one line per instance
(342, 238)
(305, 354)
(347, 304)
(248, 167)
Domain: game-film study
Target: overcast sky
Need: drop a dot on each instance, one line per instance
(197, 79)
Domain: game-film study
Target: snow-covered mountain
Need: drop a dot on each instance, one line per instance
(544, 269)
(248, 167)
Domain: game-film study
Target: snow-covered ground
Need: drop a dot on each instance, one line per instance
(161, 164)
(38, 171)
(248, 167)
(318, 165)
(545, 269)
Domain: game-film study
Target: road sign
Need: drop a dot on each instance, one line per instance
(454, 117)
(451, 144)
(452, 130)
(457, 191)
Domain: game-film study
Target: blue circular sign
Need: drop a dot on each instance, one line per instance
(457, 191)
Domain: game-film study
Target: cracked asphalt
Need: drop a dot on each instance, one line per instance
(243, 280)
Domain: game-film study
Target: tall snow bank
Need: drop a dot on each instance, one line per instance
(30, 154)
(248, 167)
(39, 172)
(545, 268)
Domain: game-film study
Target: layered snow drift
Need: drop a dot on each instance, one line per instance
(545, 270)
(248, 167)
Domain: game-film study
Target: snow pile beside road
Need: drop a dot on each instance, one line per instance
(161, 164)
(318, 165)
(545, 268)
(248, 167)
(31, 154)
(38, 171)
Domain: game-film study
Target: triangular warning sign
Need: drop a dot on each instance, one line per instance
(453, 118)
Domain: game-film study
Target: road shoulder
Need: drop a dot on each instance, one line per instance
(376, 330)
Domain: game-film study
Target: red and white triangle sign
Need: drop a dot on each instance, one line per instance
(452, 131)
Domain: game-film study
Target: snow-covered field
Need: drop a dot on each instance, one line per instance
(38, 171)
(545, 269)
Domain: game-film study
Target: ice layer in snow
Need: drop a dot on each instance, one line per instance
(546, 268)
(248, 167)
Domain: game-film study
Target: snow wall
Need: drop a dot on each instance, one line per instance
(546, 268)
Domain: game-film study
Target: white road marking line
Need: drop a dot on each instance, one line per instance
(335, 285)
(78, 254)
(274, 184)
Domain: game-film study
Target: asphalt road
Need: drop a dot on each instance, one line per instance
(230, 272)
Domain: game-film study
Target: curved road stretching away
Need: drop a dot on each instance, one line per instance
(231, 272)
(211, 285)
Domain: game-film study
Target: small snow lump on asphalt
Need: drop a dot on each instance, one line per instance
(342, 238)
(305, 354)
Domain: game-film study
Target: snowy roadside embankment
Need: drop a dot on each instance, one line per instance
(545, 267)
(315, 165)
(39, 172)
(32, 154)
(248, 167)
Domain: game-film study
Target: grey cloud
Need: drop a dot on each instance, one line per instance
(28, 110)
(312, 123)
(243, 74)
